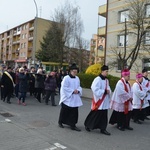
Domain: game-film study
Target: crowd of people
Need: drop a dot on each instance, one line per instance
(127, 102)
(17, 82)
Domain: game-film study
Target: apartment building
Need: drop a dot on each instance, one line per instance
(97, 48)
(97, 43)
(19, 44)
(117, 13)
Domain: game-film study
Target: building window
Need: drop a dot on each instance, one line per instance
(146, 63)
(25, 35)
(100, 47)
(148, 10)
(26, 26)
(21, 45)
(123, 15)
(22, 36)
(121, 41)
(24, 45)
(147, 38)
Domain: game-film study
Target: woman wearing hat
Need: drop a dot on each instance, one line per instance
(70, 100)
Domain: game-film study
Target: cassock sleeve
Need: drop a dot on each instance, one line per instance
(66, 88)
(97, 89)
(78, 86)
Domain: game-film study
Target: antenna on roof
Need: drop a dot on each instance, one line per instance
(40, 11)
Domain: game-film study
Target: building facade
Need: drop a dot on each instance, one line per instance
(19, 44)
(97, 48)
(119, 38)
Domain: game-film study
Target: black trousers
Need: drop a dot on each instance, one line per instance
(48, 95)
(2, 93)
(7, 96)
(38, 93)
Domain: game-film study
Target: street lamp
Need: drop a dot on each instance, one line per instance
(36, 8)
(34, 34)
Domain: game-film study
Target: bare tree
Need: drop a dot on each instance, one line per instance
(137, 28)
(68, 15)
(81, 45)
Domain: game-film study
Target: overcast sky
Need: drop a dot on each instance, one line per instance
(15, 12)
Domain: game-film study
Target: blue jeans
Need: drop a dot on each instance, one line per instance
(22, 96)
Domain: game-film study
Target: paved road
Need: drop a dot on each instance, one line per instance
(34, 127)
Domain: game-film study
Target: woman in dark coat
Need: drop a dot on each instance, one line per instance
(50, 86)
(23, 85)
(39, 84)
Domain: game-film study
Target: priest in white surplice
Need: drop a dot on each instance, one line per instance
(97, 118)
(146, 87)
(121, 103)
(139, 100)
(70, 100)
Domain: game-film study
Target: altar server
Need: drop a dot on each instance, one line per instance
(97, 118)
(139, 100)
(146, 87)
(70, 100)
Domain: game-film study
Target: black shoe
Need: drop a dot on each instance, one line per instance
(8, 102)
(137, 121)
(60, 125)
(146, 118)
(39, 101)
(75, 128)
(105, 132)
(129, 128)
(87, 129)
(121, 128)
(54, 105)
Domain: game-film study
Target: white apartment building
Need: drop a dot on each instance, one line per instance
(117, 14)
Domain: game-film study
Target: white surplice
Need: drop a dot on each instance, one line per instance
(146, 87)
(120, 96)
(68, 85)
(138, 95)
(98, 88)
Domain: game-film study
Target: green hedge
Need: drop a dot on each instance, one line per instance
(87, 79)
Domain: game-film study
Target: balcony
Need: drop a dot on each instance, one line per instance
(102, 31)
(15, 32)
(30, 48)
(31, 28)
(30, 38)
(13, 51)
(102, 10)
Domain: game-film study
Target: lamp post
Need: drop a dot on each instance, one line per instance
(36, 8)
(34, 34)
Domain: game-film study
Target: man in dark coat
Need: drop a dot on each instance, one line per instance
(7, 83)
(39, 83)
(23, 85)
